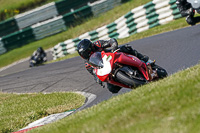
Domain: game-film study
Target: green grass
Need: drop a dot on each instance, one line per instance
(9, 8)
(176, 24)
(89, 25)
(18, 110)
(170, 105)
(15, 4)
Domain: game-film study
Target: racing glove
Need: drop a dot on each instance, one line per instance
(98, 80)
(114, 44)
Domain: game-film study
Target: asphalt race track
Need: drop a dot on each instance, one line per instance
(173, 51)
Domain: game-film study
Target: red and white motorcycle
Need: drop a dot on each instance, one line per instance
(124, 70)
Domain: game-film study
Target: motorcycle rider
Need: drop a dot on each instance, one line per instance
(187, 11)
(40, 53)
(86, 48)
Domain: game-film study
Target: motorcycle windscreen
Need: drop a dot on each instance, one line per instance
(96, 60)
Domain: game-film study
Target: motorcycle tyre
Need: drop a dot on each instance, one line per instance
(162, 73)
(127, 80)
(113, 88)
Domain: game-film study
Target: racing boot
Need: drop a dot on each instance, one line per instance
(142, 57)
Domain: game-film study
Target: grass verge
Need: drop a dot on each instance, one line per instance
(10, 8)
(170, 105)
(18, 110)
(176, 24)
(89, 25)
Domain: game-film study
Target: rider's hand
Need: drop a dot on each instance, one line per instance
(99, 81)
(114, 44)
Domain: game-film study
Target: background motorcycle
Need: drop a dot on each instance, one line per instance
(195, 4)
(124, 70)
(36, 60)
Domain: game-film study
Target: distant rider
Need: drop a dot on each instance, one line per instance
(86, 48)
(187, 11)
(40, 53)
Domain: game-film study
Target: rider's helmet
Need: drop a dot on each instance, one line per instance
(84, 48)
(39, 50)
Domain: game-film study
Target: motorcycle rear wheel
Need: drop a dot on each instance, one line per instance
(162, 73)
(127, 80)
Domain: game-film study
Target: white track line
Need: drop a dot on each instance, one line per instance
(54, 117)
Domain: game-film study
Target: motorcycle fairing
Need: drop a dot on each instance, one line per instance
(133, 61)
(105, 71)
(109, 59)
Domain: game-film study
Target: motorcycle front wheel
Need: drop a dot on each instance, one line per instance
(127, 80)
(31, 64)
